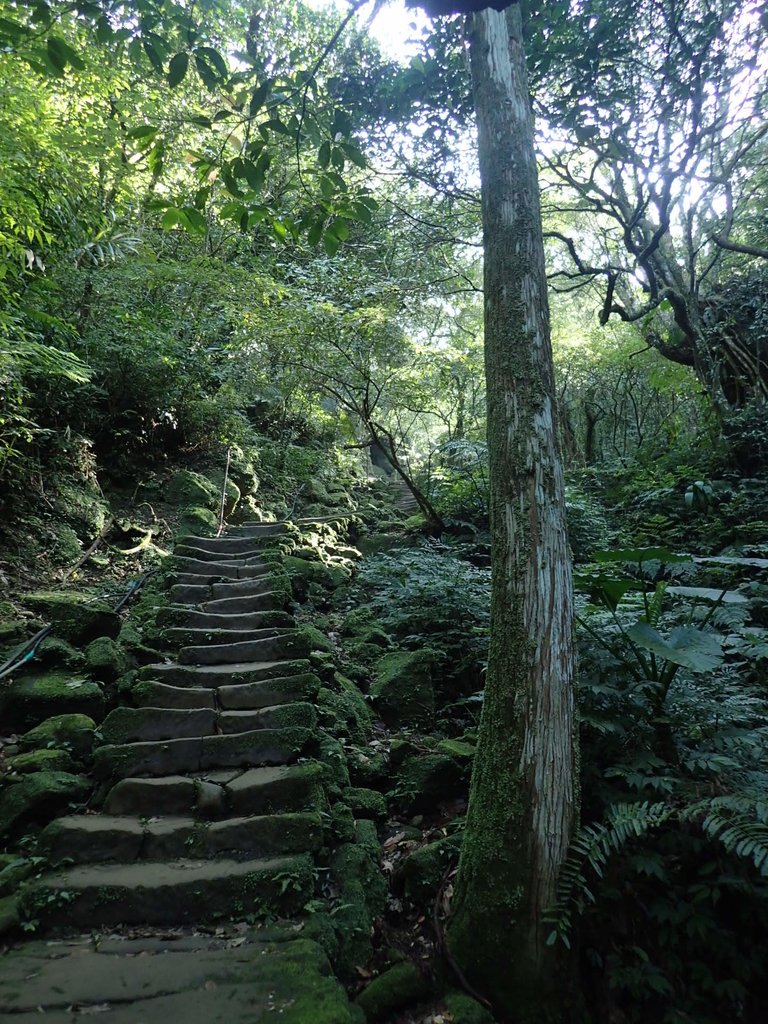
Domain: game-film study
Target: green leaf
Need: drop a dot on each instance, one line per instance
(332, 243)
(354, 155)
(142, 131)
(177, 69)
(687, 646)
(340, 229)
(154, 57)
(324, 154)
(315, 233)
(337, 158)
(258, 98)
(60, 54)
(214, 60)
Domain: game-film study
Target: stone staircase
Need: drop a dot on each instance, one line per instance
(210, 815)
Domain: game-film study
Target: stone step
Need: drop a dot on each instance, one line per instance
(283, 689)
(230, 545)
(139, 725)
(212, 578)
(194, 636)
(218, 570)
(127, 725)
(278, 716)
(217, 794)
(171, 794)
(256, 529)
(170, 893)
(237, 976)
(264, 600)
(150, 694)
(221, 675)
(286, 645)
(193, 618)
(252, 556)
(197, 754)
(99, 838)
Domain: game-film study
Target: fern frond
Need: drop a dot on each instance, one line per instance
(593, 845)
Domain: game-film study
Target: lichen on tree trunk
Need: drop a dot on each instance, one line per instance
(522, 800)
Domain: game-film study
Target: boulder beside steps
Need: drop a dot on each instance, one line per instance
(210, 814)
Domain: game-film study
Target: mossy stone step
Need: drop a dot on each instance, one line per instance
(151, 694)
(193, 618)
(265, 601)
(210, 576)
(169, 893)
(222, 675)
(197, 636)
(288, 645)
(126, 725)
(276, 717)
(252, 791)
(100, 838)
(224, 570)
(281, 690)
(234, 978)
(253, 556)
(255, 529)
(229, 545)
(176, 757)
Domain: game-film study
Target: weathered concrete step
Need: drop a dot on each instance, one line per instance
(127, 725)
(263, 587)
(218, 794)
(150, 694)
(99, 838)
(215, 570)
(286, 645)
(283, 689)
(197, 754)
(236, 977)
(138, 725)
(195, 636)
(193, 618)
(252, 556)
(213, 578)
(176, 892)
(222, 675)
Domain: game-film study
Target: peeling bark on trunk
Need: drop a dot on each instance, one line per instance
(522, 801)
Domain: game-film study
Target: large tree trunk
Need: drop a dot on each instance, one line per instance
(522, 800)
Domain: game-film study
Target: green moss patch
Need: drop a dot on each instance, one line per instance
(39, 794)
(31, 699)
(72, 733)
(398, 987)
(75, 616)
(402, 689)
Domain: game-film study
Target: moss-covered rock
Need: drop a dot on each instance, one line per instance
(402, 688)
(343, 710)
(13, 874)
(55, 653)
(106, 659)
(366, 803)
(66, 547)
(466, 1010)
(362, 894)
(398, 987)
(198, 521)
(9, 914)
(334, 762)
(304, 573)
(243, 470)
(423, 870)
(75, 616)
(424, 780)
(72, 733)
(39, 794)
(186, 489)
(47, 760)
(366, 767)
(31, 699)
